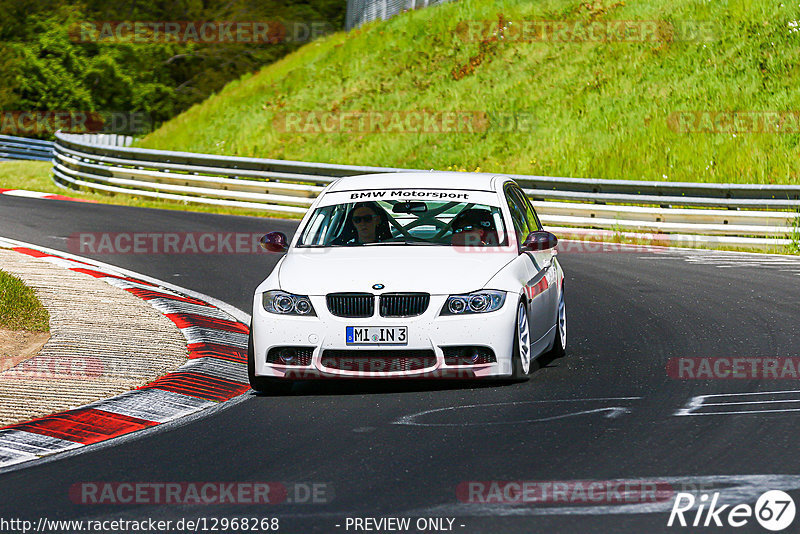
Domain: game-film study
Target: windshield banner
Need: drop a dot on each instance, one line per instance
(392, 195)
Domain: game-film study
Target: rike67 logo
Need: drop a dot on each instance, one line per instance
(774, 510)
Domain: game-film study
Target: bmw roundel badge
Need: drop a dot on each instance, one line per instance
(378, 286)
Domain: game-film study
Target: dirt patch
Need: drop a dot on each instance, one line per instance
(16, 346)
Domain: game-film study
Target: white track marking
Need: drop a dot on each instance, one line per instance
(699, 402)
(730, 259)
(745, 412)
(613, 411)
(27, 194)
(752, 393)
(789, 266)
(751, 402)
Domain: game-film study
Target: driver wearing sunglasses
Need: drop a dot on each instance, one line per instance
(366, 223)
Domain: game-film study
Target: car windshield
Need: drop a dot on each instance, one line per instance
(405, 223)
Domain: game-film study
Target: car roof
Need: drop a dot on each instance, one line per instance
(416, 180)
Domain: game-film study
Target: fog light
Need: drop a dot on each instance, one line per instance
(287, 356)
(472, 355)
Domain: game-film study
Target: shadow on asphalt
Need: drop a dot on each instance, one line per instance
(373, 386)
(343, 386)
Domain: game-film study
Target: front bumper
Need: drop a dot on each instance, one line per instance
(427, 332)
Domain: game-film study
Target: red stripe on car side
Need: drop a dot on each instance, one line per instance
(537, 288)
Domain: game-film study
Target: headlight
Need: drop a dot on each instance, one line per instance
(483, 301)
(284, 303)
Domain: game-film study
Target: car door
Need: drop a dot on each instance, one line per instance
(535, 264)
(548, 256)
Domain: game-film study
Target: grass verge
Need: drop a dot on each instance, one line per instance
(612, 109)
(19, 307)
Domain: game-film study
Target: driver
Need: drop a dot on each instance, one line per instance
(474, 227)
(367, 222)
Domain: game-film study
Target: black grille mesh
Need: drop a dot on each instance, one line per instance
(351, 304)
(404, 304)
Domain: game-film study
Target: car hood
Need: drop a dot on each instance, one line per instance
(438, 270)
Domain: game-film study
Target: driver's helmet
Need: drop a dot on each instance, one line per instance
(474, 227)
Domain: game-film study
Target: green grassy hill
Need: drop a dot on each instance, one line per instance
(599, 109)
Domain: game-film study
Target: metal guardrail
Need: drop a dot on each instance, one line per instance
(104, 139)
(23, 148)
(703, 209)
(362, 11)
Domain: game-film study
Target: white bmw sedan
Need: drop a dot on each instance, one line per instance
(409, 275)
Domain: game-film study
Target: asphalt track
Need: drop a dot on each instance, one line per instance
(605, 411)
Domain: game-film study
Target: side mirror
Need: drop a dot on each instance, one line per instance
(274, 242)
(537, 241)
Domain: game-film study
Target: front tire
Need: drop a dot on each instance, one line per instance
(521, 355)
(262, 384)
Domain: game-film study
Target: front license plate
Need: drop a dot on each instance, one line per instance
(376, 335)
